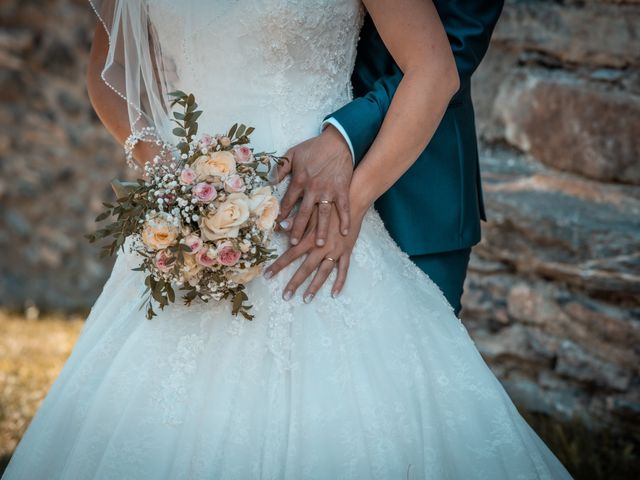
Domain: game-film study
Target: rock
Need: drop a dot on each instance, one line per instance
(17, 223)
(563, 227)
(12, 44)
(596, 34)
(563, 404)
(512, 340)
(551, 297)
(572, 125)
(529, 306)
(575, 362)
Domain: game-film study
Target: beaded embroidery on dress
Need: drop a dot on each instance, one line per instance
(383, 382)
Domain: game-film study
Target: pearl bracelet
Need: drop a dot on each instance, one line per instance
(146, 134)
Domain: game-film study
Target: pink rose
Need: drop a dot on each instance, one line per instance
(227, 255)
(205, 192)
(242, 153)
(207, 140)
(188, 176)
(234, 183)
(162, 261)
(194, 242)
(206, 256)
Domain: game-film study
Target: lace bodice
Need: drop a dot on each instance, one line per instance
(278, 65)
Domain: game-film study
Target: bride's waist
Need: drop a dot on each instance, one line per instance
(276, 128)
(282, 117)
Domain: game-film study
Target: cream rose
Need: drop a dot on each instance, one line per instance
(160, 231)
(191, 268)
(227, 219)
(216, 164)
(245, 275)
(265, 207)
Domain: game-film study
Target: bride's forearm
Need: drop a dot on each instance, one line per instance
(109, 106)
(416, 39)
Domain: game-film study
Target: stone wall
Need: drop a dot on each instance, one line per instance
(553, 294)
(55, 157)
(553, 289)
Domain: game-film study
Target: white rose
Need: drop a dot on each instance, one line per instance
(227, 219)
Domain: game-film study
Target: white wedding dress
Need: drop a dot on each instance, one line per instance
(383, 382)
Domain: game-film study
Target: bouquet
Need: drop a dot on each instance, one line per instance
(201, 218)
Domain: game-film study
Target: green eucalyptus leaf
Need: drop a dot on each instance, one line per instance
(179, 132)
(170, 293)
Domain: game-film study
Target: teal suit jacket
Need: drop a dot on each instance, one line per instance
(437, 205)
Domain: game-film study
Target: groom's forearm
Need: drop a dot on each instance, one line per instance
(362, 118)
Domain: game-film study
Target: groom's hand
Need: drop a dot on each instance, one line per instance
(321, 170)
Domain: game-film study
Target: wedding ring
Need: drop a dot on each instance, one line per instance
(330, 259)
(325, 202)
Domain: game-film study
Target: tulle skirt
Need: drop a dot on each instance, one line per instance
(383, 382)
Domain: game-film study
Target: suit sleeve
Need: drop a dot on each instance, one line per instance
(468, 24)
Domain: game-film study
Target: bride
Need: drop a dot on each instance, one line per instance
(382, 381)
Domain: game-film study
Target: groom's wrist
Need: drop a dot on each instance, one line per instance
(333, 127)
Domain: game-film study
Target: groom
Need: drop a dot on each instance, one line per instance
(434, 210)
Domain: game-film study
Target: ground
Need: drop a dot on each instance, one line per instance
(32, 352)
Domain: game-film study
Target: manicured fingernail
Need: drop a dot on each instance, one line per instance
(294, 241)
(268, 274)
(308, 297)
(335, 294)
(284, 224)
(320, 242)
(345, 231)
(287, 296)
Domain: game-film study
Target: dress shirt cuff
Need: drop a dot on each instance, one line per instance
(336, 124)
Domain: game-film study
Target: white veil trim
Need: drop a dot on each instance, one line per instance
(134, 66)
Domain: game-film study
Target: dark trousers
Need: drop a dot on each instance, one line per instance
(448, 270)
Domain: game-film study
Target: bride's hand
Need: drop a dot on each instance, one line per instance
(321, 170)
(321, 260)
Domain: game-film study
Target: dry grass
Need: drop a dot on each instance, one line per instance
(32, 352)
